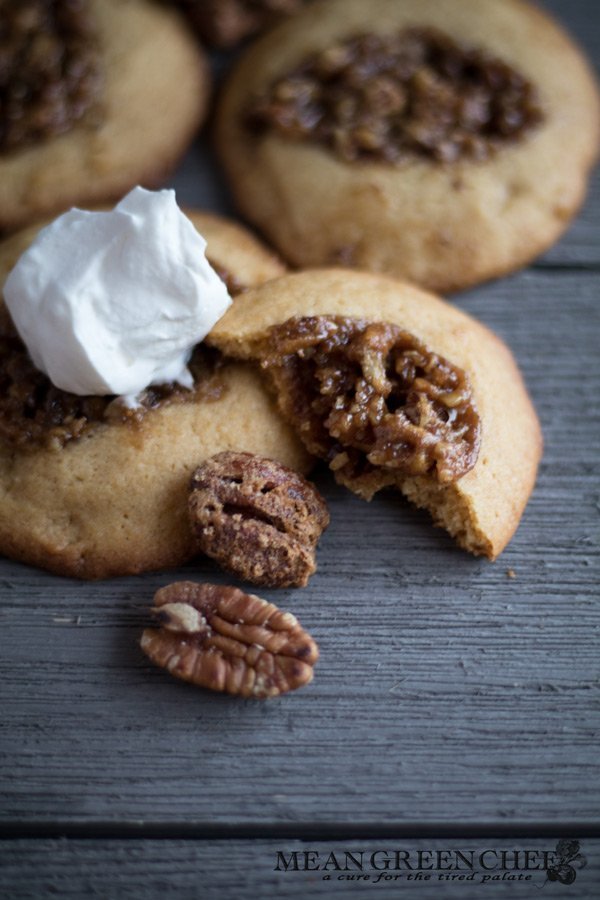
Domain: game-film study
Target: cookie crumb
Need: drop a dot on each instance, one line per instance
(510, 573)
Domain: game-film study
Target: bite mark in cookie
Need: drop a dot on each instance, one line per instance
(372, 400)
(482, 507)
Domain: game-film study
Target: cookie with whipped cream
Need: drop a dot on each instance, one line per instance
(445, 143)
(95, 97)
(393, 387)
(90, 488)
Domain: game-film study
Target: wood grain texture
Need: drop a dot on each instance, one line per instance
(447, 693)
(580, 245)
(140, 870)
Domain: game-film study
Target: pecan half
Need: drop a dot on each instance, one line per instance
(220, 638)
(258, 519)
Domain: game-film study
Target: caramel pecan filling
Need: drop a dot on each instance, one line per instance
(389, 97)
(370, 396)
(50, 72)
(33, 412)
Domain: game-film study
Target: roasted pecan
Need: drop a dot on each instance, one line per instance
(220, 638)
(258, 519)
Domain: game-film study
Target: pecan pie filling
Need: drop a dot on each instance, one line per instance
(390, 97)
(33, 412)
(50, 71)
(370, 397)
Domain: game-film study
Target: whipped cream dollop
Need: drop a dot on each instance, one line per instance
(112, 302)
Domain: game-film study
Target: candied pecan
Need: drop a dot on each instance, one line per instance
(223, 639)
(370, 396)
(389, 97)
(224, 23)
(50, 72)
(258, 519)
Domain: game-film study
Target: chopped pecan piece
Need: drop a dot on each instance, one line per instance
(220, 638)
(371, 398)
(258, 519)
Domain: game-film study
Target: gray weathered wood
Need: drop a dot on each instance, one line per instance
(445, 692)
(581, 243)
(144, 870)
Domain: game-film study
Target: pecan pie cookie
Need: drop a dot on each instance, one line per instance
(446, 143)
(394, 387)
(95, 97)
(91, 488)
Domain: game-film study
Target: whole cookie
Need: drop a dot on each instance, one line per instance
(446, 143)
(126, 122)
(92, 493)
(395, 387)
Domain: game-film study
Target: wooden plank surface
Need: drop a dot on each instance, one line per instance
(447, 693)
(141, 870)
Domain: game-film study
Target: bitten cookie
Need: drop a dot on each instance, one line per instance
(87, 490)
(393, 386)
(114, 92)
(445, 143)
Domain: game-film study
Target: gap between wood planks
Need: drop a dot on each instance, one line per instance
(210, 831)
(550, 266)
